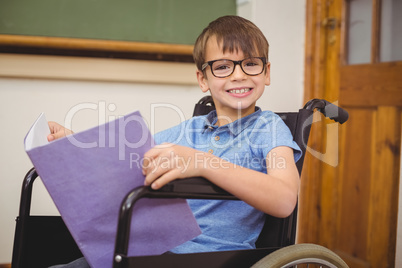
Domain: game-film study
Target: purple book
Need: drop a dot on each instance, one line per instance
(89, 173)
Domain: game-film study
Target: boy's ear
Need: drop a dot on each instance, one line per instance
(202, 81)
(268, 74)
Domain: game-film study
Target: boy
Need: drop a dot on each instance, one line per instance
(238, 147)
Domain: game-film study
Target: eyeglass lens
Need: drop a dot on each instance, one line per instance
(251, 66)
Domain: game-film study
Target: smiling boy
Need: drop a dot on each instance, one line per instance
(240, 148)
(231, 55)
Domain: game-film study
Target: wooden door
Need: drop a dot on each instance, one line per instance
(350, 182)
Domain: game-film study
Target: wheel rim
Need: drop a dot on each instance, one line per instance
(321, 262)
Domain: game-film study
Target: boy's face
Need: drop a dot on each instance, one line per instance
(237, 91)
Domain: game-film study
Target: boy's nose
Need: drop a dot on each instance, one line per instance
(238, 73)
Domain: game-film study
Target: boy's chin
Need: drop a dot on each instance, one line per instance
(244, 105)
(244, 108)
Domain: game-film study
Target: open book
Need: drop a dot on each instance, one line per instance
(88, 174)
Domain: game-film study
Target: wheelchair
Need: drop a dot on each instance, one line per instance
(42, 241)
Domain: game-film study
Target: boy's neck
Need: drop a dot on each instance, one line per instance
(228, 116)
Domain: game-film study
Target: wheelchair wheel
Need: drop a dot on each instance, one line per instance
(302, 255)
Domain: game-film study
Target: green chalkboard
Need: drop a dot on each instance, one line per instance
(156, 21)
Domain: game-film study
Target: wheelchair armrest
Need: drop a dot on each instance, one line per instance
(194, 186)
(191, 188)
(328, 109)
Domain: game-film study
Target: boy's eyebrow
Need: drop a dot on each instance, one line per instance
(228, 58)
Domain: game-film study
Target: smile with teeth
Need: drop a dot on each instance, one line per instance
(239, 91)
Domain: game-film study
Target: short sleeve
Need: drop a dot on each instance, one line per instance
(270, 132)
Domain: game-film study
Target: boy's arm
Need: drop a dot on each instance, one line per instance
(274, 193)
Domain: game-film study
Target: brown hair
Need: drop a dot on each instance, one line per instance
(234, 33)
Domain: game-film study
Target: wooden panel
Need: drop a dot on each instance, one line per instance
(330, 163)
(368, 187)
(309, 212)
(315, 50)
(329, 183)
(355, 180)
(310, 191)
(371, 85)
(375, 31)
(384, 186)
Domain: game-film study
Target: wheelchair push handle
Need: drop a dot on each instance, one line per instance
(328, 109)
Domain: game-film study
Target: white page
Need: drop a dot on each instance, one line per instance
(37, 135)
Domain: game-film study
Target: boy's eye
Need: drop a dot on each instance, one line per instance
(251, 63)
(222, 66)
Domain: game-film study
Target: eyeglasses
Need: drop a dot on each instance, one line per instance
(224, 68)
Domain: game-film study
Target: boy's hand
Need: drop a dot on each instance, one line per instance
(57, 131)
(167, 162)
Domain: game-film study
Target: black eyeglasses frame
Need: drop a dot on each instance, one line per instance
(235, 62)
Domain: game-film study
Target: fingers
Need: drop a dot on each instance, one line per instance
(157, 182)
(50, 137)
(149, 158)
(57, 131)
(156, 163)
(161, 165)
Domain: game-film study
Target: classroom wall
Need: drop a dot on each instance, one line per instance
(99, 88)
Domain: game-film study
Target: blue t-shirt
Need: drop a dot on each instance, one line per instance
(230, 225)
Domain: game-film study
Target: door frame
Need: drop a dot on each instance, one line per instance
(324, 57)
